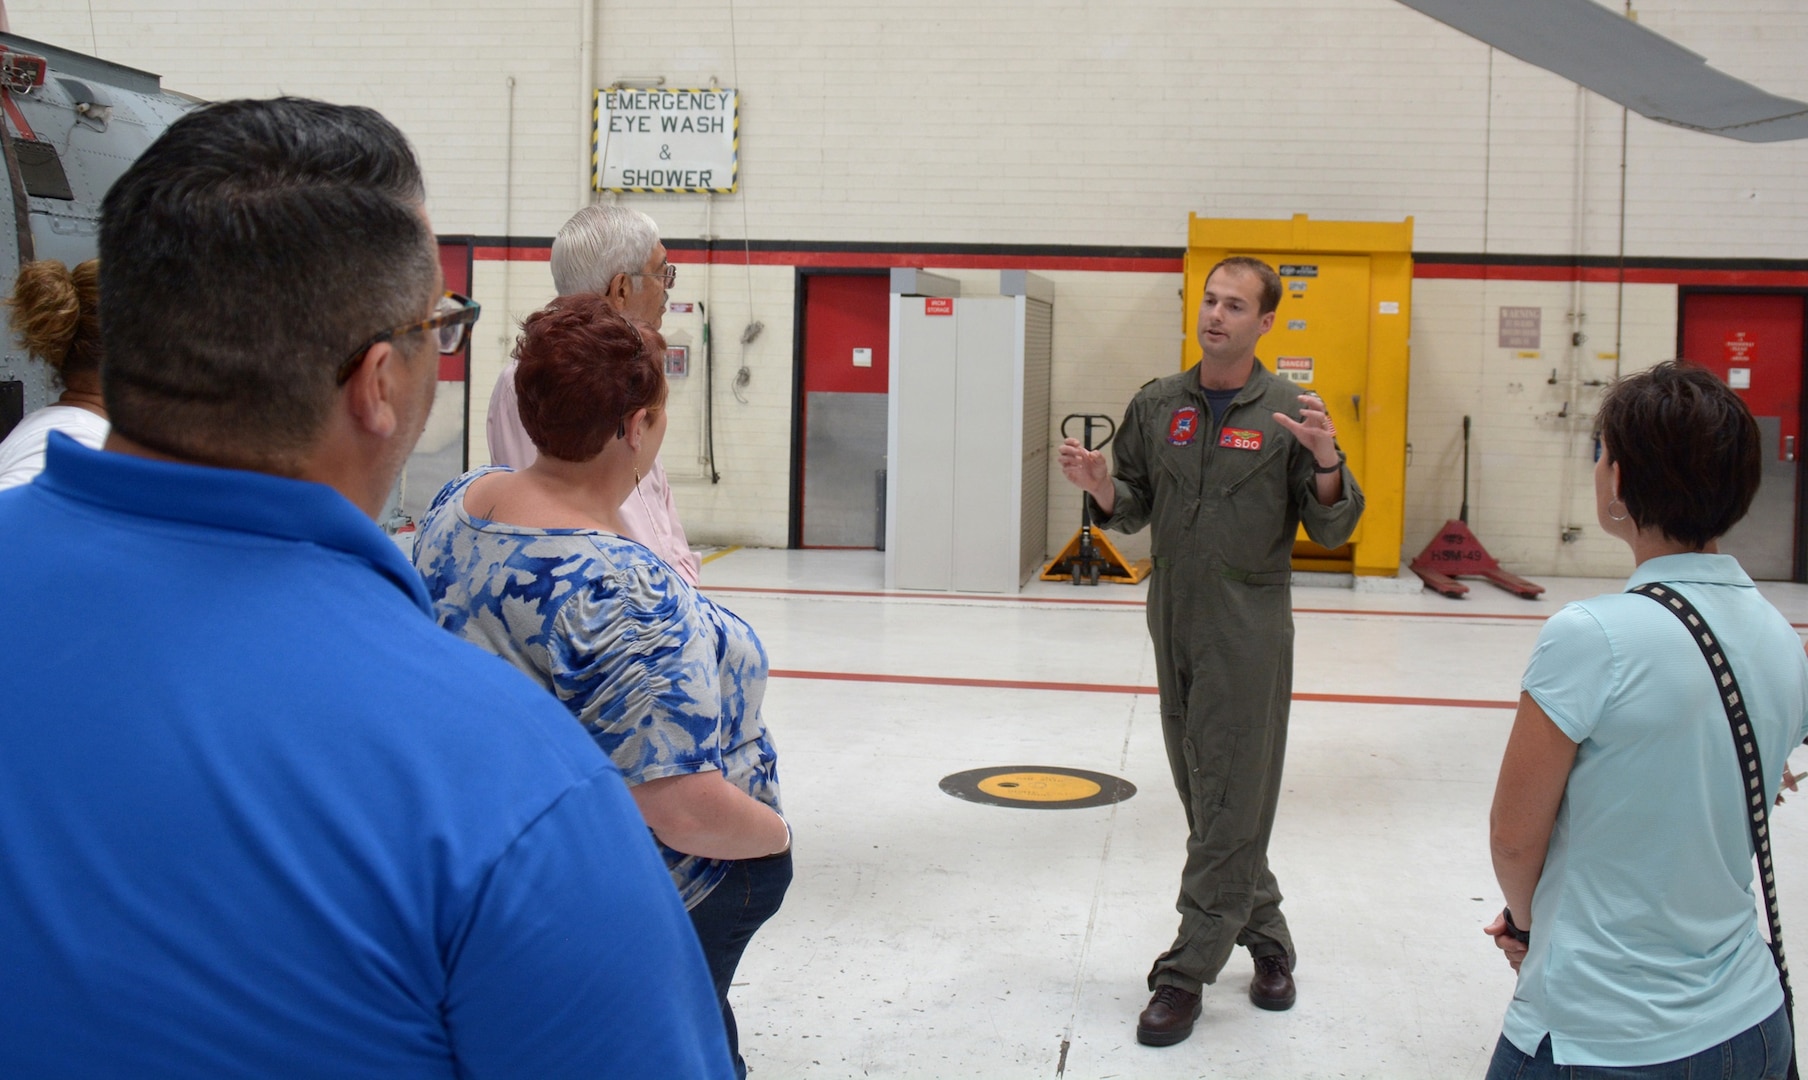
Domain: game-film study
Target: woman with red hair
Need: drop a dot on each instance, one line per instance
(532, 566)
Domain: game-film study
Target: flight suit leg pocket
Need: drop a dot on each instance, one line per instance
(1229, 786)
(1210, 765)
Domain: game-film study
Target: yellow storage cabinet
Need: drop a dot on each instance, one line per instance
(1342, 332)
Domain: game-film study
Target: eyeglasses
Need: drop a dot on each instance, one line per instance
(452, 316)
(668, 272)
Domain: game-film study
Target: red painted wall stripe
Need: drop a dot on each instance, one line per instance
(733, 256)
(1635, 275)
(1120, 688)
(513, 254)
(729, 255)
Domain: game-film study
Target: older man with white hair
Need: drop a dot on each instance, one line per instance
(614, 252)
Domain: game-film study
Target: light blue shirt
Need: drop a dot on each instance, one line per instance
(1645, 939)
(666, 681)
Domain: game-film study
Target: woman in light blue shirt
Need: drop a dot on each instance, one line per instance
(1618, 830)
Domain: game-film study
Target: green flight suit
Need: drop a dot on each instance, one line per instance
(1224, 500)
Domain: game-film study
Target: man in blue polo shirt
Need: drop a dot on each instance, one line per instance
(260, 816)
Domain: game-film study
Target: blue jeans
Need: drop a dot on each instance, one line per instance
(1760, 1052)
(725, 921)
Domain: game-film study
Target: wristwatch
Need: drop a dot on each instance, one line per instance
(1524, 937)
(1327, 470)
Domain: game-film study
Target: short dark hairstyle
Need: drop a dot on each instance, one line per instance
(1688, 450)
(1271, 281)
(244, 256)
(582, 369)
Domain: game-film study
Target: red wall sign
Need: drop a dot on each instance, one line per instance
(938, 305)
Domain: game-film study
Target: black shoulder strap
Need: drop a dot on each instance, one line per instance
(1751, 769)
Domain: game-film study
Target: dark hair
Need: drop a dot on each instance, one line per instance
(1688, 450)
(56, 313)
(583, 369)
(1271, 281)
(244, 256)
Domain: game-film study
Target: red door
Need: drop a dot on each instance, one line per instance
(846, 375)
(443, 450)
(455, 266)
(1754, 342)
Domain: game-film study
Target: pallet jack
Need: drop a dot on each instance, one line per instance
(1455, 552)
(1089, 558)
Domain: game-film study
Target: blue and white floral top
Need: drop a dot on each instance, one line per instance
(667, 681)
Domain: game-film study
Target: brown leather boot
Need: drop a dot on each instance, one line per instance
(1169, 1017)
(1272, 988)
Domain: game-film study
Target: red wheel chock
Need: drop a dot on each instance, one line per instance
(1454, 553)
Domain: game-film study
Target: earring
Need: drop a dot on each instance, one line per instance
(637, 474)
(1622, 515)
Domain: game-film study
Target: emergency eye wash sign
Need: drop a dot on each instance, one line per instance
(659, 140)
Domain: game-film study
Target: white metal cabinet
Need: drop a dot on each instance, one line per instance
(967, 463)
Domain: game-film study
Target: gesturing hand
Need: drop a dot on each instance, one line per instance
(1313, 429)
(1085, 469)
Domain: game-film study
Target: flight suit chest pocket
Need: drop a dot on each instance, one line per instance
(1182, 462)
(1241, 468)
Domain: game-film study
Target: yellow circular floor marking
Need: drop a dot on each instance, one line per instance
(1039, 787)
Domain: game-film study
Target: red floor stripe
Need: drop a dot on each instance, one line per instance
(1122, 688)
(1416, 614)
(907, 595)
(903, 594)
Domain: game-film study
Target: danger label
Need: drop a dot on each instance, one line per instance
(1294, 368)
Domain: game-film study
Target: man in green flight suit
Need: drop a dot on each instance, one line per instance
(1216, 462)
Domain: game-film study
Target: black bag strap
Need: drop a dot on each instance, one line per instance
(1751, 768)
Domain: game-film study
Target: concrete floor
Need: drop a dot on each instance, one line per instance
(926, 936)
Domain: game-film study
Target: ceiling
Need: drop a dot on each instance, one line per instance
(1596, 46)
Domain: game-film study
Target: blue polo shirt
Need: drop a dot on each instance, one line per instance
(259, 816)
(1645, 938)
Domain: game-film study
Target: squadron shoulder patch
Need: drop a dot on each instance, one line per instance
(1183, 426)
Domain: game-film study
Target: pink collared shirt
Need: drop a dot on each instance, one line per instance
(649, 515)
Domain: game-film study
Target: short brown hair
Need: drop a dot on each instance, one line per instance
(1271, 281)
(1688, 450)
(583, 369)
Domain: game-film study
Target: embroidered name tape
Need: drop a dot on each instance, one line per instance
(1240, 439)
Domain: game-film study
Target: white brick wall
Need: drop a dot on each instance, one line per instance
(1529, 470)
(750, 504)
(1016, 121)
(438, 68)
(1073, 122)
